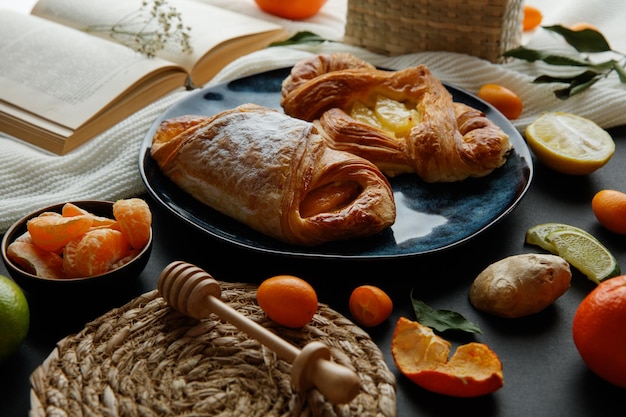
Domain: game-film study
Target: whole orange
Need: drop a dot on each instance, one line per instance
(370, 305)
(503, 99)
(287, 300)
(609, 207)
(291, 9)
(532, 17)
(598, 330)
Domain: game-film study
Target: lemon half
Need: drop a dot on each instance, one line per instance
(569, 143)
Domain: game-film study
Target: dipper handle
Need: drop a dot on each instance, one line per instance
(195, 293)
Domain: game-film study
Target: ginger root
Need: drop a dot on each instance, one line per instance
(520, 285)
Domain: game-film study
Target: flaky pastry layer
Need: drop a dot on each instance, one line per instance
(447, 142)
(276, 174)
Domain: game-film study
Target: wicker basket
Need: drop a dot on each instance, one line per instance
(483, 28)
(145, 359)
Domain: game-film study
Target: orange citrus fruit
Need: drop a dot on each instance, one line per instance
(568, 143)
(135, 220)
(62, 245)
(369, 305)
(609, 207)
(71, 209)
(422, 356)
(503, 99)
(34, 260)
(291, 9)
(51, 232)
(288, 300)
(97, 251)
(598, 330)
(532, 17)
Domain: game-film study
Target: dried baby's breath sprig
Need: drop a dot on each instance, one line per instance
(585, 44)
(149, 29)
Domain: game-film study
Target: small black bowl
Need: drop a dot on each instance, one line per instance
(38, 286)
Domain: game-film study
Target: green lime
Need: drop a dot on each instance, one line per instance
(537, 235)
(14, 317)
(585, 253)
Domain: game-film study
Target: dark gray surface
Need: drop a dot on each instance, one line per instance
(543, 374)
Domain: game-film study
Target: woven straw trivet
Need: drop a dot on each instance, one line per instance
(145, 359)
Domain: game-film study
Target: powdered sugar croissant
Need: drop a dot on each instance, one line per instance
(403, 121)
(276, 174)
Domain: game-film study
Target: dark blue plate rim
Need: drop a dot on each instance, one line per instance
(469, 207)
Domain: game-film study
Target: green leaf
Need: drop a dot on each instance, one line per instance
(587, 40)
(441, 320)
(578, 78)
(577, 83)
(532, 55)
(527, 54)
(301, 38)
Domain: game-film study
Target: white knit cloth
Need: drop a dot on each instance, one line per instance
(107, 166)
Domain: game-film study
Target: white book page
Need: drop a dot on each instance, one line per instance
(209, 25)
(60, 74)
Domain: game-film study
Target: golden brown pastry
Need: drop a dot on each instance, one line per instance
(276, 174)
(403, 121)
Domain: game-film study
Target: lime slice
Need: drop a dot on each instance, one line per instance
(585, 253)
(568, 143)
(537, 235)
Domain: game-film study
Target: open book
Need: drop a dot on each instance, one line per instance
(61, 83)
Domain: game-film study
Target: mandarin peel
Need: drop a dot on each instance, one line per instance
(422, 356)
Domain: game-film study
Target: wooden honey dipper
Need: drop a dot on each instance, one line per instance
(193, 292)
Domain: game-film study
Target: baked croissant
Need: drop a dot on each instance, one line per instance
(403, 121)
(276, 174)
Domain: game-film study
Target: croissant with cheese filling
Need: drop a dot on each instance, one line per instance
(276, 174)
(403, 121)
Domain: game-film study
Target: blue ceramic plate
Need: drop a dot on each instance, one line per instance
(430, 217)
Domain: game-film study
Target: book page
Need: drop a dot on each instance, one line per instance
(209, 26)
(62, 74)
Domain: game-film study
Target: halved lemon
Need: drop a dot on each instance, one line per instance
(569, 143)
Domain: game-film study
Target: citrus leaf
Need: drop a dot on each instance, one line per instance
(532, 55)
(441, 320)
(577, 83)
(587, 40)
(301, 38)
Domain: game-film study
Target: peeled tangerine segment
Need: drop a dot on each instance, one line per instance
(37, 261)
(422, 356)
(134, 219)
(71, 210)
(52, 232)
(96, 252)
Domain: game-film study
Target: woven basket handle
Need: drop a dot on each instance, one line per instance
(195, 293)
